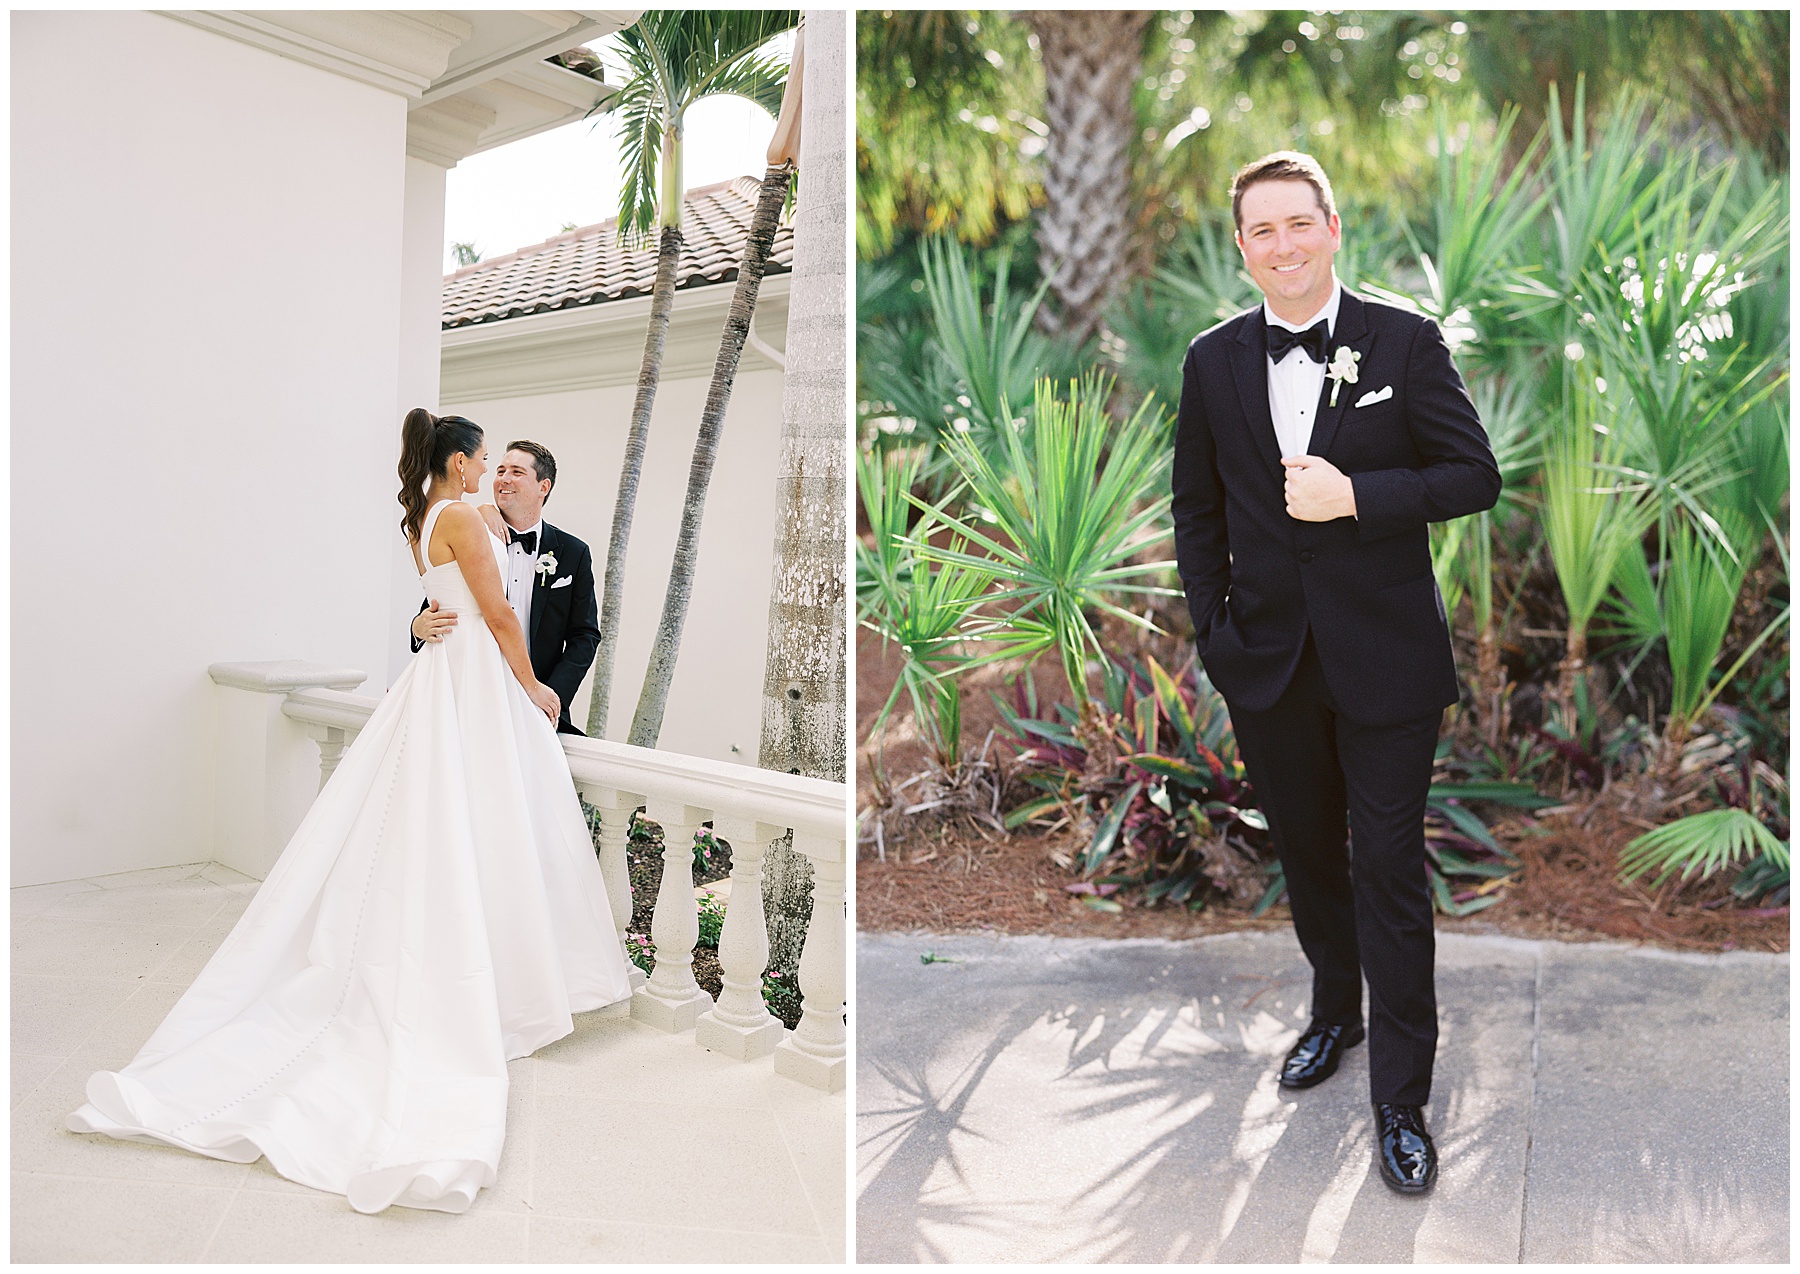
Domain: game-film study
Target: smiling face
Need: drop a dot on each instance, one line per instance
(518, 491)
(1288, 242)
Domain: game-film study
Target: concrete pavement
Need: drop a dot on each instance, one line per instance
(1086, 1100)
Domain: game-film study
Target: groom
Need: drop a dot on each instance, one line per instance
(549, 580)
(1318, 434)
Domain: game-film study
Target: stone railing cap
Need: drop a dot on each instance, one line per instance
(279, 676)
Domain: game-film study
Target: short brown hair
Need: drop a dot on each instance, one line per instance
(542, 462)
(1282, 165)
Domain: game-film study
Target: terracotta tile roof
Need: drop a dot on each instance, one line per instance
(588, 267)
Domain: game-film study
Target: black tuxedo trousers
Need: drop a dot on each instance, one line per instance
(1361, 908)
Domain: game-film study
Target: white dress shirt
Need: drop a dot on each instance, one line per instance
(1296, 383)
(521, 576)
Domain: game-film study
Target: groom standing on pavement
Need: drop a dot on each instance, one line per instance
(549, 579)
(1317, 436)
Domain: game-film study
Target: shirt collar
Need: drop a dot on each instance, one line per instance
(1329, 313)
(537, 527)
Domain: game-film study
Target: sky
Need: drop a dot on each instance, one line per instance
(525, 192)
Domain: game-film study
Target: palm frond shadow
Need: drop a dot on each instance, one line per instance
(1204, 1158)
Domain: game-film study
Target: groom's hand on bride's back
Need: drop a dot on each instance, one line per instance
(432, 624)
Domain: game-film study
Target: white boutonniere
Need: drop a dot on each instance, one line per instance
(546, 564)
(1343, 368)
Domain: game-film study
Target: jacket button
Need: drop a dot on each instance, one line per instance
(1306, 557)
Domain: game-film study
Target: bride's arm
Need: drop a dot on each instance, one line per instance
(466, 534)
(495, 522)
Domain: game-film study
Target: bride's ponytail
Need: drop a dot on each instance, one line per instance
(426, 444)
(418, 433)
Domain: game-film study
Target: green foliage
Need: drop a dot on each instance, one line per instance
(947, 106)
(641, 950)
(677, 57)
(1700, 845)
(1172, 809)
(1071, 501)
(1612, 280)
(1590, 518)
(925, 607)
(712, 921)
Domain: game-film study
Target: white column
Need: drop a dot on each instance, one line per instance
(671, 1000)
(816, 1053)
(421, 341)
(740, 1025)
(615, 810)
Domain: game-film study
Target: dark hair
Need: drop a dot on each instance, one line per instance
(426, 444)
(1282, 165)
(542, 462)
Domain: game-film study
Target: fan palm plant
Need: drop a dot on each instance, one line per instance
(1591, 518)
(1700, 845)
(1061, 509)
(1478, 214)
(925, 608)
(676, 58)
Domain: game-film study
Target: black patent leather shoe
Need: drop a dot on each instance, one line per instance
(1403, 1148)
(1315, 1056)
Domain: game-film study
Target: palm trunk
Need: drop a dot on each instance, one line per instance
(803, 723)
(1570, 672)
(1091, 61)
(1490, 687)
(646, 725)
(612, 593)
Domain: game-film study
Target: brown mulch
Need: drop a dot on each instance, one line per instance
(962, 876)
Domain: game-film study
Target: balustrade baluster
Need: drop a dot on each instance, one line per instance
(671, 1000)
(615, 810)
(740, 1024)
(815, 1054)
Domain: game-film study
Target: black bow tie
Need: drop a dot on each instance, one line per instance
(529, 538)
(1312, 340)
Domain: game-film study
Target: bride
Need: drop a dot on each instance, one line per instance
(438, 912)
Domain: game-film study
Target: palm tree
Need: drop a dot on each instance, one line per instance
(653, 697)
(804, 732)
(803, 725)
(677, 58)
(1091, 60)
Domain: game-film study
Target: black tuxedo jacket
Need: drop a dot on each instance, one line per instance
(565, 621)
(1258, 580)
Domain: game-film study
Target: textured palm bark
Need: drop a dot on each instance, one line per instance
(612, 593)
(804, 715)
(646, 724)
(1569, 672)
(1492, 704)
(1091, 60)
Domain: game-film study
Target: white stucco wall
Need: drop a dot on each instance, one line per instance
(205, 325)
(715, 702)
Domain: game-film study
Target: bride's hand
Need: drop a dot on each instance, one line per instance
(547, 701)
(495, 523)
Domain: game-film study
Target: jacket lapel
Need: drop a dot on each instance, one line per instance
(1352, 330)
(1250, 369)
(547, 541)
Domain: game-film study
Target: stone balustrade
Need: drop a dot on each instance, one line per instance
(749, 808)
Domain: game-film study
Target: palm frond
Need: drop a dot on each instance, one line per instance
(1700, 845)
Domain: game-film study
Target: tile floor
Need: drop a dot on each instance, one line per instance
(623, 1144)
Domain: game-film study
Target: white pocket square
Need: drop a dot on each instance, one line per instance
(1376, 396)
(564, 582)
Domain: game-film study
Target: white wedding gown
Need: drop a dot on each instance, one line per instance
(438, 912)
